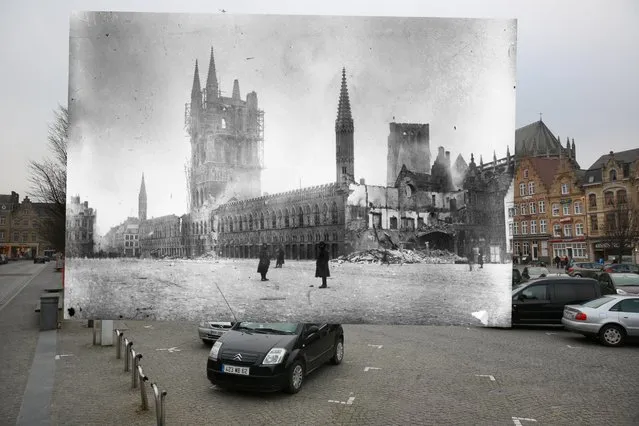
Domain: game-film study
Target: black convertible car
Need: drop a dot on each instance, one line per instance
(273, 356)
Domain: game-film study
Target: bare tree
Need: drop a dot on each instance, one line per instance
(622, 228)
(48, 180)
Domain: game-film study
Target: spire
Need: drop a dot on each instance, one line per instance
(236, 90)
(142, 201)
(344, 121)
(494, 156)
(211, 80)
(142, 186)
(196, 91)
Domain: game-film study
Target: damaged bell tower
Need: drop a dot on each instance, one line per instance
(408, 145)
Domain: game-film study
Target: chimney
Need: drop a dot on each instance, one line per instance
(362, 181)
(448, 155)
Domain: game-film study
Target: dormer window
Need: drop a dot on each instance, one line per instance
(224, 123)
(526, 174)
(613, 175)
(591, 179)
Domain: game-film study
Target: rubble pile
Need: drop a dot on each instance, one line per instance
(400, 256)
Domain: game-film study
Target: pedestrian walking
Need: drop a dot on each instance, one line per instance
(265, 262)
(280, 258)
(557, 261)
(321, 265)
(481, 260)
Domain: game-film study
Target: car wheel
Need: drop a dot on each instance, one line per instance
(612, 335)
(338, 352)
(578, 275)
(295, 377)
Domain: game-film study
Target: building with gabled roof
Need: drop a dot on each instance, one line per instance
(536, 140)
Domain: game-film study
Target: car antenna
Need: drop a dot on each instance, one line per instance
(227, 303)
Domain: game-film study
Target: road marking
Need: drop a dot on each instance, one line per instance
(347, 402)
(61, 355)
(148, 326)
(170, 350)
(371, 368)
(573, 347)
(350, 400)
(492, 378)
(550, 334)
(517, 420)
(376, 346)
(6, 301)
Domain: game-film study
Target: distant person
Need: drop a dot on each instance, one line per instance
(557, 261)
(265, 262)
(480, 258)
(280, 258)
(321, 264)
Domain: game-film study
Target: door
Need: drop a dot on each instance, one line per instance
(531, 304)
(314, 349)
(629, 315)
(535, 252)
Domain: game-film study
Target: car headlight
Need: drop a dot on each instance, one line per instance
(204, 324)
(215, 350)
(620, 291)
(274, 356)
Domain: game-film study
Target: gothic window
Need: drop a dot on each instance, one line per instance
(307, 211)
(250, 220)
(324, 214)
(273, 221)
(241, 224)
(287, 220)
(316, 215)
(300, 219)
(279, 218)
(261, 220)
(613, 175)
(334, 213)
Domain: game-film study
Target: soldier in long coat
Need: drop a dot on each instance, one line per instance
(265, 262)
(321, 265)
(280, 258)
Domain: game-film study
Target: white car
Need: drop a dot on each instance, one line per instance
(210, 331)
(611, 319)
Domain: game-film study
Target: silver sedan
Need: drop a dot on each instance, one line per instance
(610, 319)
(210, 331)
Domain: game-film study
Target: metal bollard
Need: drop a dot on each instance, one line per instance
(127, 355)
(136, 363)
(118, 343)
(143, 380)
(159, 404)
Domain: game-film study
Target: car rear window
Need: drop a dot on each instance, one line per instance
(575, 291)
(598, 302)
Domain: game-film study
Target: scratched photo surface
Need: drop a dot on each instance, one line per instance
(290, 168)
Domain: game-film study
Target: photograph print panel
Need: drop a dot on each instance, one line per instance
(290, 168)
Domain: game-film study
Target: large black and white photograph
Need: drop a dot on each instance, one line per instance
(292, 168)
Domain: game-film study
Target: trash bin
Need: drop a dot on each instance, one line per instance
(49, 311)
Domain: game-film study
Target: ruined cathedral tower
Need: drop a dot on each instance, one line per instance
(142, 201)
(344, 150)
(227, 142)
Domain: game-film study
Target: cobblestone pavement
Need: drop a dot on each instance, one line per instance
(418, 375)
(423, 294)
(19, 328)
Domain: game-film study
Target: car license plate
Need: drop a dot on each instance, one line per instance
(214, 333)
(231, 369)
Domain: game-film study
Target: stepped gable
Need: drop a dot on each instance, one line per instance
(546, 169)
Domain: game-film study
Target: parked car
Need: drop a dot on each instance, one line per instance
(584, 269)
(39, 259)
(273, 356)
(542, 301)
(534, 272)
(621, 267)
(622, 282)
(3, 259)
(516, 277)
(611, 319)
(210, 331)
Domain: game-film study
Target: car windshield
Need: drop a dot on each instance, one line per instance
(267, 327)
(598, 302)
(623, 280)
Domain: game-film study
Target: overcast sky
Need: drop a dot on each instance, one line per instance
(576, 63)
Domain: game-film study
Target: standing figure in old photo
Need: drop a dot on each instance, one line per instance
(265, 262)
(321, 265)
(280, 258)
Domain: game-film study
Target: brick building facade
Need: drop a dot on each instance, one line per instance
(20, 235)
